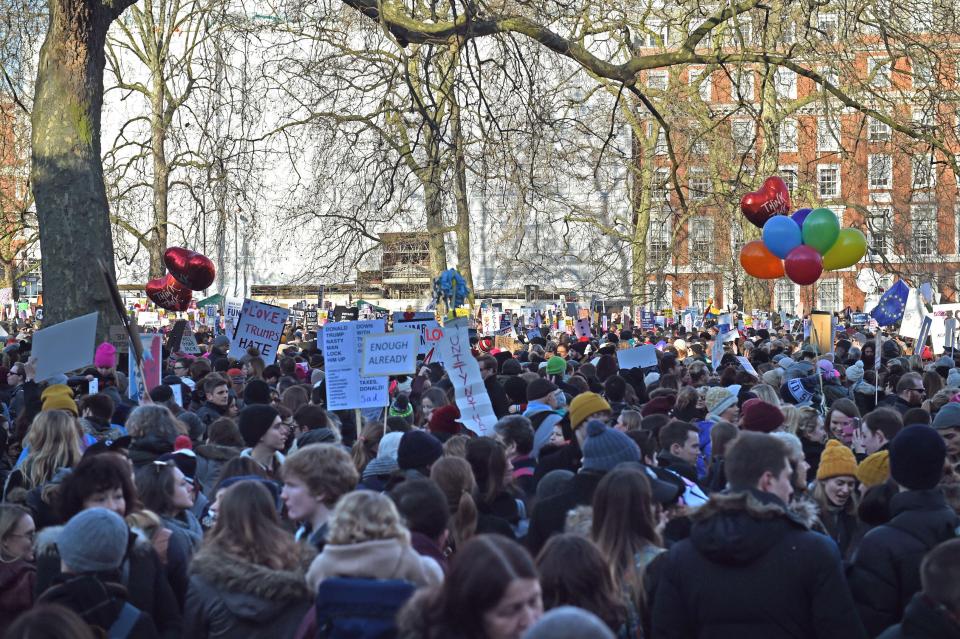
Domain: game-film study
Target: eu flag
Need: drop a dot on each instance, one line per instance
(889, 310)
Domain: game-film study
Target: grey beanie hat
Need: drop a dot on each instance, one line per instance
(568, 622)
(94, 540)
(604, 448)
(948, 416)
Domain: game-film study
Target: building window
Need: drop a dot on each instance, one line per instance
(743, 135)
(923, 72)
(828, 134)
(879, 172)
(924, 177)
(699, 185)
(657, 296)
(785, 296)
(829, 296)
(878, 131)
(701, 291)
(701, 238)
(789, 175)
(828, 180)
(660, 190)
(880, 229)
(924, 224)
(660, 238)
(785, 82)
(743, 84)
(699, 146)
(736, 238)
(827, 24)
(878, 72)
(657, 80)
(788, 135)
(924, 115)
(657, 34)
(660, 145)
(703, 81)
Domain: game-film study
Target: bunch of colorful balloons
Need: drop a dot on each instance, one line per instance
(189, 271)
(802, 245)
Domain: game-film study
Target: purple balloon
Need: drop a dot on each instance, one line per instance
(800, 215)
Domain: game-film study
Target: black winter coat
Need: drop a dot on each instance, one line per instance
(885, 572)
(923, 620)
(550, 515)
(98, 602)
(498, 396)
(230, 598)
(141, 574)
(750, 568)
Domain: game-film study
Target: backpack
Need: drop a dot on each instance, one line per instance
(356, 608)
(125, 622)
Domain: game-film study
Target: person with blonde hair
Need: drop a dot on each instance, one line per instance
(767, 393)
(315, 478)
(54, 443)
(18, 574)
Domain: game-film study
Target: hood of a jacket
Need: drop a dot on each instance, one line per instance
(737, 528)
(922, 619)
(925, 514)
(98, 602)
(251, 591)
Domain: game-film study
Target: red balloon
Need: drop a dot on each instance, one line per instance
(758, 261)
(166, 292)
(773, 198)
(190, 268)
(804, 265)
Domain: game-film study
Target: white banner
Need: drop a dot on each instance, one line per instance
(342, 346)
(425, 324)
(938, 331)
(390, 354)
(475, 408)
(260, 326)
(231, 311)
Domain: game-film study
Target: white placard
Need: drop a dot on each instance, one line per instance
(938, 331)
(640, 357)
(475, 408)
(177, 394)
(913, 313)
(65, 346)
(425, 324)
(261, 326)
(342, 346)
(716, 354)
(390, 354)
(747, 366)
(188, 343)
(231, 311)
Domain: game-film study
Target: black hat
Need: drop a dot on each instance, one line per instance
(418, 449)
(254, 421)
(540, 387)
(917, 454)
(256, 392)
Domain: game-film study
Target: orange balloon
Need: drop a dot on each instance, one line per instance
(757, 260)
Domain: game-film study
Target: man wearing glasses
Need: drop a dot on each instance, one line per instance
(181, 368)
(910, 394)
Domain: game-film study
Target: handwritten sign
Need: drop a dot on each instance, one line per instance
(472, 399)
(424, 323)
(582, 327)
(260, 326)
(342, 352)
(231, 311)
(640, 357)
(390, 354)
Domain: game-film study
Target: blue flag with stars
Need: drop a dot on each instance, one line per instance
(889, 310)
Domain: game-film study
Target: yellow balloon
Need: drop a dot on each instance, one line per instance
(850, 247)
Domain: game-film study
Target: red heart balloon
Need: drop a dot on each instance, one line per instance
(773, 198)
(190, 268)
(166, 292)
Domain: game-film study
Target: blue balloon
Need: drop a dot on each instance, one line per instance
(800, 215)
(781, 235)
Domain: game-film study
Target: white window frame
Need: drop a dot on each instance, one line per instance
(879, 172)
(829, 26)
(705, 87)
(785, 83)
(660, 232)
(740, 142)
(697, 194)
(833, 167)
(743, 91)
(878, 131)
(779, 289)
(828, 134)
(825, 284)
(923, 72)
(700, 238)
(657, 29)
(790, 175)
(882, 245)
(930, 238)
(882, 78)
(920, 168)
(658, 80)
(700, 146)
(709, 285)
(789, 143)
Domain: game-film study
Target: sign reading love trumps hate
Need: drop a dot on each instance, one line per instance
(476, 411)
(261, 326)
(342, 360)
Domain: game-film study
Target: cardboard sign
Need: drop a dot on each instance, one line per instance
(390, 354)
(231, 311)
(188, 343)
(582, 327)
(342, 346)
(152, 365)
(425, 324)
(261, 326)
(117, 336)
(640, 357)
(65, 346)
(822, 331)
(506, 343)
(747, 366)
(475, 408)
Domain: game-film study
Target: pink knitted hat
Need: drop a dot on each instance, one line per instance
(106, 356)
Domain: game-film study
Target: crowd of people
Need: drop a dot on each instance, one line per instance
(790, 494)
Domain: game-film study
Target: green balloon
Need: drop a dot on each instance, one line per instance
(820, 230)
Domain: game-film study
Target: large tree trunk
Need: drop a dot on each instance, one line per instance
(67, 174)
(161, 175)
(430, 177)
(463, 204)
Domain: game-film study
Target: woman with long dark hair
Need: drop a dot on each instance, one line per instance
(248, 580)
(491, 592)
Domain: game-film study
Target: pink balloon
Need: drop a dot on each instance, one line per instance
(803, 265)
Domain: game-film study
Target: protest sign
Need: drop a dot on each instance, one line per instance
(425, 324)
(117, 336)
(231, 312)
(152, 364)
(938, 330)
(176, 335)
(925, 325)
(260, 326)
(65, 346)
(475, 408)
(822, 327)
(640, 357)
(747, 366)
(859, 319)
(188, 344)
(533, 333)
(342, 346)
(390, 354)
(210, 311)
(506, 343)
(345, 314)
(582, 327)
(716, 354)
(913, 313)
